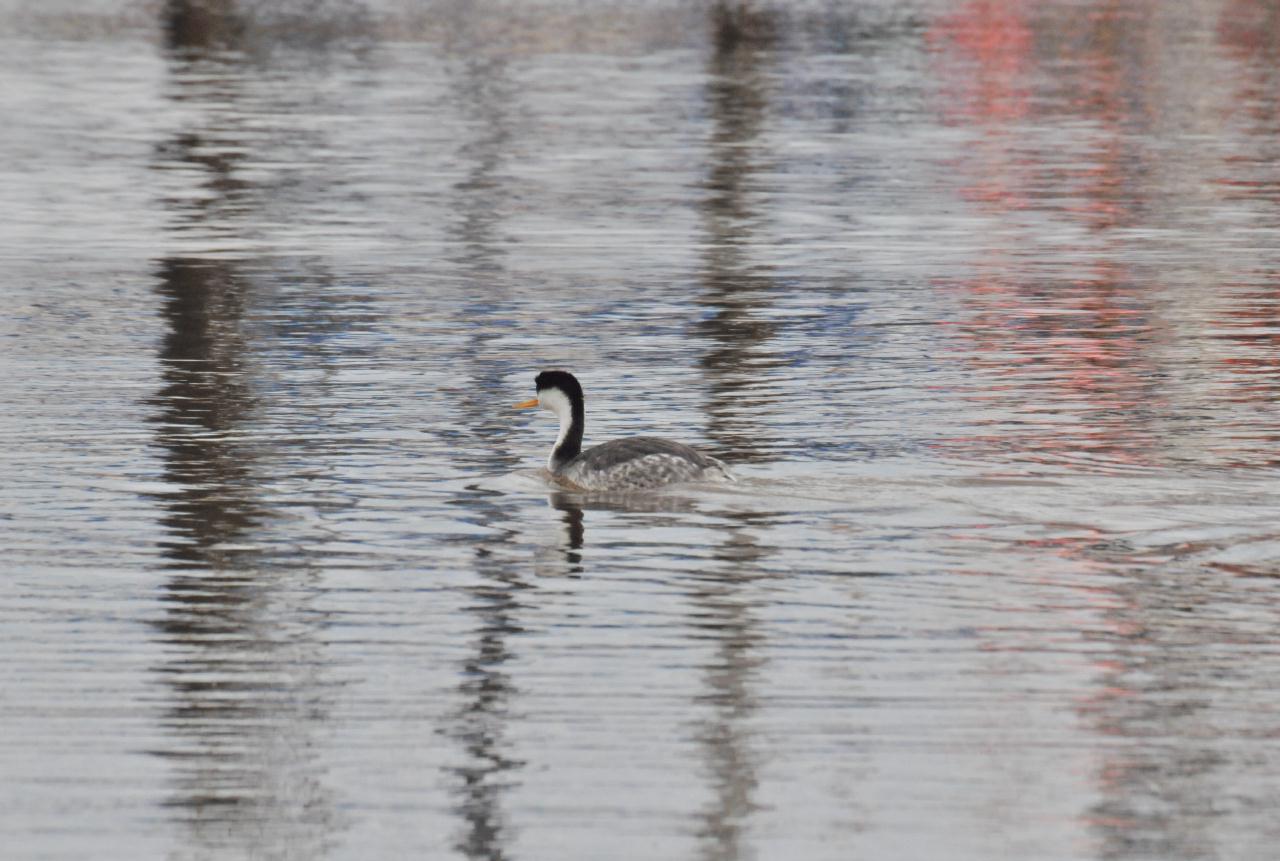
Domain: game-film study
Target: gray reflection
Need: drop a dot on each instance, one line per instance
(483, 93)
(634, 501)
(244, 669)
(573, 506)
(1177, 704)
(204, 399)
(723, 614)
(737, 96)
(206, 27)
(202, 25)
(572, 539)
(487, 691)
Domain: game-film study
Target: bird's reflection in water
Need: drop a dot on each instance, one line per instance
(563, 555)
(637, 501)
(723, 613)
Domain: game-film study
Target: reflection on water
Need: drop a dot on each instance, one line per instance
(982, 299)
(203, 26)
(1171, 775)
(735, 288)
(243, 662)
(1157, 798)
(196, 27)
(481, 88)
(205, 400)
(243, 665)
(1080, 357)
(726, 617)
(487, 691)
(721, 618)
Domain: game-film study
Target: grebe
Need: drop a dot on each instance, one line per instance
(636, 463)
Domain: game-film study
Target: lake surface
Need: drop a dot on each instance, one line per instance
(981, 301)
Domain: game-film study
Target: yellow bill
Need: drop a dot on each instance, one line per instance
(524, 405)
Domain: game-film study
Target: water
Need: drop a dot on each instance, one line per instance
(980, 300)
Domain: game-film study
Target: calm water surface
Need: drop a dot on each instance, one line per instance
(982, 301)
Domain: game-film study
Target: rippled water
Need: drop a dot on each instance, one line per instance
(981, 300)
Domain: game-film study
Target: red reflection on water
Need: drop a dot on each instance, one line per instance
(1251, 28)
(1246, 327)
(1246, 318)
(1063, 358)
(1062, 369)
(1076, 350)
(988, 44)
(983, 52)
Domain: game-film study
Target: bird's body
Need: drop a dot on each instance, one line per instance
(638, 463)
(635, 463)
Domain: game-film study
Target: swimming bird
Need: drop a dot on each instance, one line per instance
(635, 463)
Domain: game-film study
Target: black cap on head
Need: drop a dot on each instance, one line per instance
(562, 380)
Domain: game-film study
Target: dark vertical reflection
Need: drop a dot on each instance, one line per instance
(205, 399)
(202, 25)
(483, 92)
(199, 27)
(487, 692)
(725, 616)
(734, 289)
(243, 668)
(569, 547)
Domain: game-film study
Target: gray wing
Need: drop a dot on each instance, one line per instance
(640, 462)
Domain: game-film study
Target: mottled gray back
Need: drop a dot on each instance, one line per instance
(640, 462)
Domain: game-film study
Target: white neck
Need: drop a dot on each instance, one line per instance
(556, 401)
